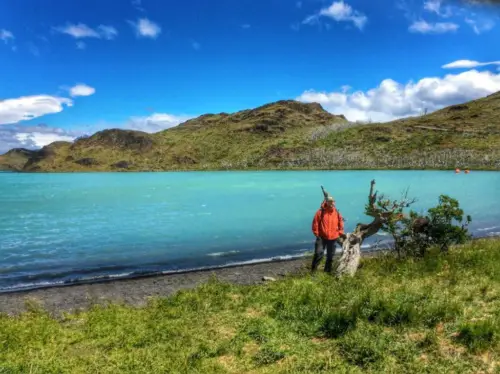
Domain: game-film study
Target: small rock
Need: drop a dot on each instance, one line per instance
(270, 279)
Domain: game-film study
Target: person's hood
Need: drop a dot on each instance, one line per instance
(326, 207)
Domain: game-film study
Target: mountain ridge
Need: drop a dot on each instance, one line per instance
(285, 134)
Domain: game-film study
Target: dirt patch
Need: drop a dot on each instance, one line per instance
(226, 361)
(254, 313)
(251, 349)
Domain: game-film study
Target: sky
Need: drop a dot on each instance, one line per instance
(69, 68)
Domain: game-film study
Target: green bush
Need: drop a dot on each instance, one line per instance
(444, 225)
(477, 336)
(338, 323)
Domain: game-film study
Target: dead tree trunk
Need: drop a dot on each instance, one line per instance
(351, 242)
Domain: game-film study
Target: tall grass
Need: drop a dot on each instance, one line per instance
(437, 314)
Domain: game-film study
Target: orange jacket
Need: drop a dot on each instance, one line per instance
(328, 223)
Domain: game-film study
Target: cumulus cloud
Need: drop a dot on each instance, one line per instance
(392, 100)
(6, 35)
(341, 12)
(468, 64)
(81, 90)
(81, 30)
(146, 28)
(30, 107)
(33, 137)
(424, 27)
(155, 122)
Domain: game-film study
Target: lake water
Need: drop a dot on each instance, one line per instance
(57, 228)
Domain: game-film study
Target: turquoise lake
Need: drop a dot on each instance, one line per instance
(62, 228)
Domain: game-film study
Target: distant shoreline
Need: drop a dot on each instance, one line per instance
(239, 170)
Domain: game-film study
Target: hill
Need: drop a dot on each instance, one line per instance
(285, 135)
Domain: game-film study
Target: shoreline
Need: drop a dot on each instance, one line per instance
(136, 290)
(304, 169)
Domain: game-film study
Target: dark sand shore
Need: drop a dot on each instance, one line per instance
(137, 291)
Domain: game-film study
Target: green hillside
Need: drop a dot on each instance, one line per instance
(285, 135)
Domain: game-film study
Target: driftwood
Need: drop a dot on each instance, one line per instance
(351, 243)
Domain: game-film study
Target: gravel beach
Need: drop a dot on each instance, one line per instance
(137, 291)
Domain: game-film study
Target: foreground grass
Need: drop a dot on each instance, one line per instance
(439, 314)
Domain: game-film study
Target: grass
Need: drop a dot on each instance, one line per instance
(293, 136)
(437, 314)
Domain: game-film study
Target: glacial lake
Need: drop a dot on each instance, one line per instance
(63, 228)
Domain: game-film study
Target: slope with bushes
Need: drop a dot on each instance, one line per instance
(286, 135)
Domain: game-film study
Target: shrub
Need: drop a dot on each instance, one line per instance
(443, 226)
(477, 336)
(338, 323)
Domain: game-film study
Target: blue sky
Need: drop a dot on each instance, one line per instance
(69, 67)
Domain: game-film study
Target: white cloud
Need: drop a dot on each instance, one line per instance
(40, 139)
(155, 122)
(33, 137)
(107, 32)
(392, 100)
(435, 6)
(480, 26)
(30, 107)
(81, 90)
(424, 27)
(6, 35)
(468, 64)
(81, 30)
(341, 12)
(475, 13)
(146, 28)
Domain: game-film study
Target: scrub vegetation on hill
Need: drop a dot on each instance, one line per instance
(435, 314)
(285, 135)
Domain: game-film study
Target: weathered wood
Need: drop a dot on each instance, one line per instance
(351, 242)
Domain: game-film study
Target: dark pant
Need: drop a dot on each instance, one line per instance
(320, 246)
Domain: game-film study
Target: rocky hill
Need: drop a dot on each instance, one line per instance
(285, 135)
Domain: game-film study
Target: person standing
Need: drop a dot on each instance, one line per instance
(327, 226)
